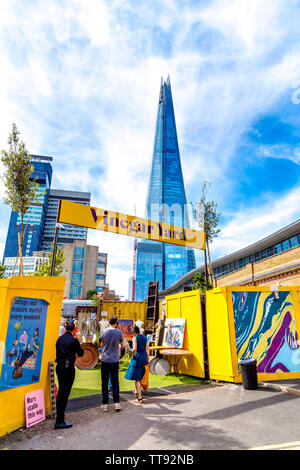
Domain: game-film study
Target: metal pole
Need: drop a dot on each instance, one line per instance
(55, 240)
(206, 273)
(54, 251)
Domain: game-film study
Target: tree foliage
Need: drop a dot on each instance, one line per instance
(207, 217)
(199, 282)
(45, 268)
(2, 271)
(20, 190)
(90, 294)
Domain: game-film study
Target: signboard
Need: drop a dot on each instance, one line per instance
(21, 364)
(101, 219)
(34, 407)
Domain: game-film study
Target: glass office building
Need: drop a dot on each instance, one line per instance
(40, 219)
(70, 232)
(166, 202)
(34, 218)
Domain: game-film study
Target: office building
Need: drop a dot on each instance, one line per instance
(166, 202)
(70, 232)
(84, 268)
(101, 273)
(31, 264)
(40, 219)
(34, 218)
(273, 261)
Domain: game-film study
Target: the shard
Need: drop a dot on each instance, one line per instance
(166, 202)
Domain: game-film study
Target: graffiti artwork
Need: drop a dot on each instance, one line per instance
(265, 329)
(24, 343)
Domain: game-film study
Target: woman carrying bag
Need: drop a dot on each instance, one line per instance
(140, 359)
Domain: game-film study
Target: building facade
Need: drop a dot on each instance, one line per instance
(31, 264)
(101, 273)
(70, 232)
(166, 202)
(40, 219)
(84, 269)
(274, 261)
(34, 218)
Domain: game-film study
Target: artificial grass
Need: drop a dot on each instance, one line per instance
(88, 382)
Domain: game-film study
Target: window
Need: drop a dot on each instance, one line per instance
(294, 241)
(278, 248)
(286, 245)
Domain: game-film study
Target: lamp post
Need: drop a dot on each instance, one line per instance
(57, 227)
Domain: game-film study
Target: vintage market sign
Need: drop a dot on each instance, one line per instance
(34, 407)
(101, 219)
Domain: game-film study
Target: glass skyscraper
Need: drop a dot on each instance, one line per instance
(166, 202)
(40, 218)
(34, 218)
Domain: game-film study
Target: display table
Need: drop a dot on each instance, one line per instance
(176, 354)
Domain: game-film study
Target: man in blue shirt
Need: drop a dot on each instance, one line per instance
(111, 338)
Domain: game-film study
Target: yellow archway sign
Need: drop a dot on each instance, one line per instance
(101, 219)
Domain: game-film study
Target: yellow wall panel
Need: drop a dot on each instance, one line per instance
(187, 305)
(50, 289)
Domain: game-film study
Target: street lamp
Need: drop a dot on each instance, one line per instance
(57, 227)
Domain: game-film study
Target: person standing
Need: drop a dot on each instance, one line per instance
(140, 358)
(67, 347)
(111, 338)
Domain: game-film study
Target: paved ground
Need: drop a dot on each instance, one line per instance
(212, 417)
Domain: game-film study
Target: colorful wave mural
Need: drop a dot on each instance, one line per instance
(265, 329)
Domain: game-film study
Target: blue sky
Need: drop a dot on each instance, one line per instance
(81, 81)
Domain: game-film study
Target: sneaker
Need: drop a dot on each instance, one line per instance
(118, 407)
(104, 407)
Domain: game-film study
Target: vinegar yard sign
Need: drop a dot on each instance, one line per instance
(101, 219)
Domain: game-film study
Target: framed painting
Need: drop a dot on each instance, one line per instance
(174, 332)
(126, 328)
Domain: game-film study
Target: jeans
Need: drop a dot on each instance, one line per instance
(110, 370)
(66, 376)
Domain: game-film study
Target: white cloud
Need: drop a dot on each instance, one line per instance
(249, 226)
(81, 80)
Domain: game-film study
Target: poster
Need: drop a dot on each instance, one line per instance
(21, 363)
(174, 332)
(126, 328)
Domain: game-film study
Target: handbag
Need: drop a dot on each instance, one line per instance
(145, 379)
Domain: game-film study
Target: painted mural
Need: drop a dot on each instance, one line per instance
(265, 329)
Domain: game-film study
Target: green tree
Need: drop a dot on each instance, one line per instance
(206, 215)
(90, 294)
(20, 190)
(45, 268)
(199, 282)
(2, 271)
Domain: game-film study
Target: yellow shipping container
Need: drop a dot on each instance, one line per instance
(125, 309)
(258, 322)
(50, 292)
(188, 305)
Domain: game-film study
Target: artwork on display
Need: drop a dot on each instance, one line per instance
(174, 332)
(265, 329)
(126, 328)
(24, 343)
